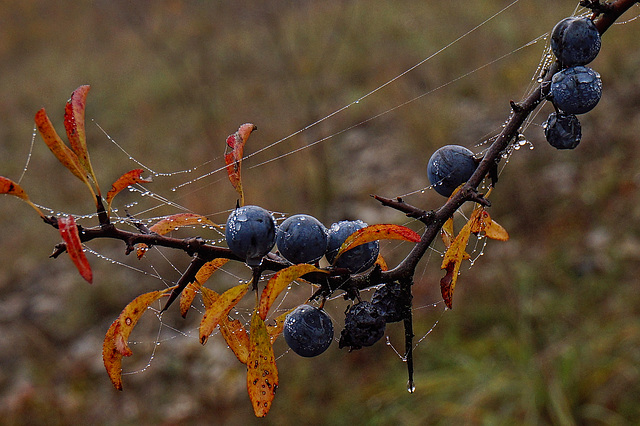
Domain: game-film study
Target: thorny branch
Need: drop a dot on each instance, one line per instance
(605, 13)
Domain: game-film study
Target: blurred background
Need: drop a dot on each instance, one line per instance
(545, 327)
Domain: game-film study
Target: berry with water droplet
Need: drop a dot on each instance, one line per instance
(301, 239)
(388, 300)
(250, 233)
(562, 131)
(449, 167)
(364, 325)
(575, 41)
(576, 90)
(357, 259)
(308, 331)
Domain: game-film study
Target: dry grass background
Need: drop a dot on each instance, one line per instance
(545, 328)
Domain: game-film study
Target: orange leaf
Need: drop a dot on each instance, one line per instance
(219, 309)
(203, 274)
(378, 232)
(236, 337)
(447, 232)
(483, 224)
(63, 153)
(171, 223)
(124, 181)
(233, 160)
(381, 263)
(453, 257)
(69, 232)
(262, 373)
(9, 187)
(115, 344)
(74, 125)
(275, 329)
(279, 282)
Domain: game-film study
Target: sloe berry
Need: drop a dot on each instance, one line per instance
(357, 259)
(250, 233)
(449, 167)
(388, 299)
(575, 41)
(562, 131)
(576, 90)
(308, 331)
(364, 325)
(301, 239)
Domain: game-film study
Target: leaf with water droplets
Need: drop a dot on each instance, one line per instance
(378, 232)
(262, 373)
(275, 329)
(453, 257)
(236, 337)
(203, 274)
(279, 282)
(124, 181)
(219, 308)
(115, 344)
(69, 233)
(233, 160)
(483, 224)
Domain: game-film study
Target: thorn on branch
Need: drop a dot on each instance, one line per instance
(58, 250)
(516, 107)
(597, 7)
(473, 195)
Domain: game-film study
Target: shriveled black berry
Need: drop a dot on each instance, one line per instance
(389, 300)
(363, 326)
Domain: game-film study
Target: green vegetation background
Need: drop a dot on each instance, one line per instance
(545, 328)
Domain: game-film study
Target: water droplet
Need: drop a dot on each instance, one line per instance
(411, 387)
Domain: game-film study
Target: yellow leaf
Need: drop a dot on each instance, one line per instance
(378, 232)
(219, 309)
(275, 329)
(236, 337)
(483, 224)
(186, 298)
(115, 341)
(447, 232)
(279, 282)
(453, 257)
(262, 373)
(203, 274)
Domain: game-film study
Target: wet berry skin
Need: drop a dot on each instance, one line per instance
(250, 233)
(562, 131)
(308, 331)
(301, 239)
(388, 300)
(364, 325)
(576, 90)
(449, 167)
(357, 259)
(575, 41)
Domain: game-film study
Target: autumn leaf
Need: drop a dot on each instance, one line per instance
(63, 153)
(115, 344)
(219, 308)
(233, 160)
(203, 274)
(69, 232)
(382, 264)
(453, 257)
(124, 181)
(483, 224)
(262, 373)
(236, 337)
(9, 187)
(279, 282)
(172, 223)
(446, 232)
(74, 125)
(378, 232)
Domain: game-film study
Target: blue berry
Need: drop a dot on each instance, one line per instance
(449, 167)
(357, 259)
(301, 239)
(388, 299)
(250, 233)
(308, 331)
(364, 325)
(562, 131)
(575, 41)
(576, 90)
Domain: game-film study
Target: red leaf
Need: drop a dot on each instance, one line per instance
(69, 232)
(115, 344)
(378, 232)
(9, 187)
(233, 160)
(262, 373)
(74, 125)
(124, 181)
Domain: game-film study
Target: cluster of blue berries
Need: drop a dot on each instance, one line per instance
(251, 233)
(576, 89)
